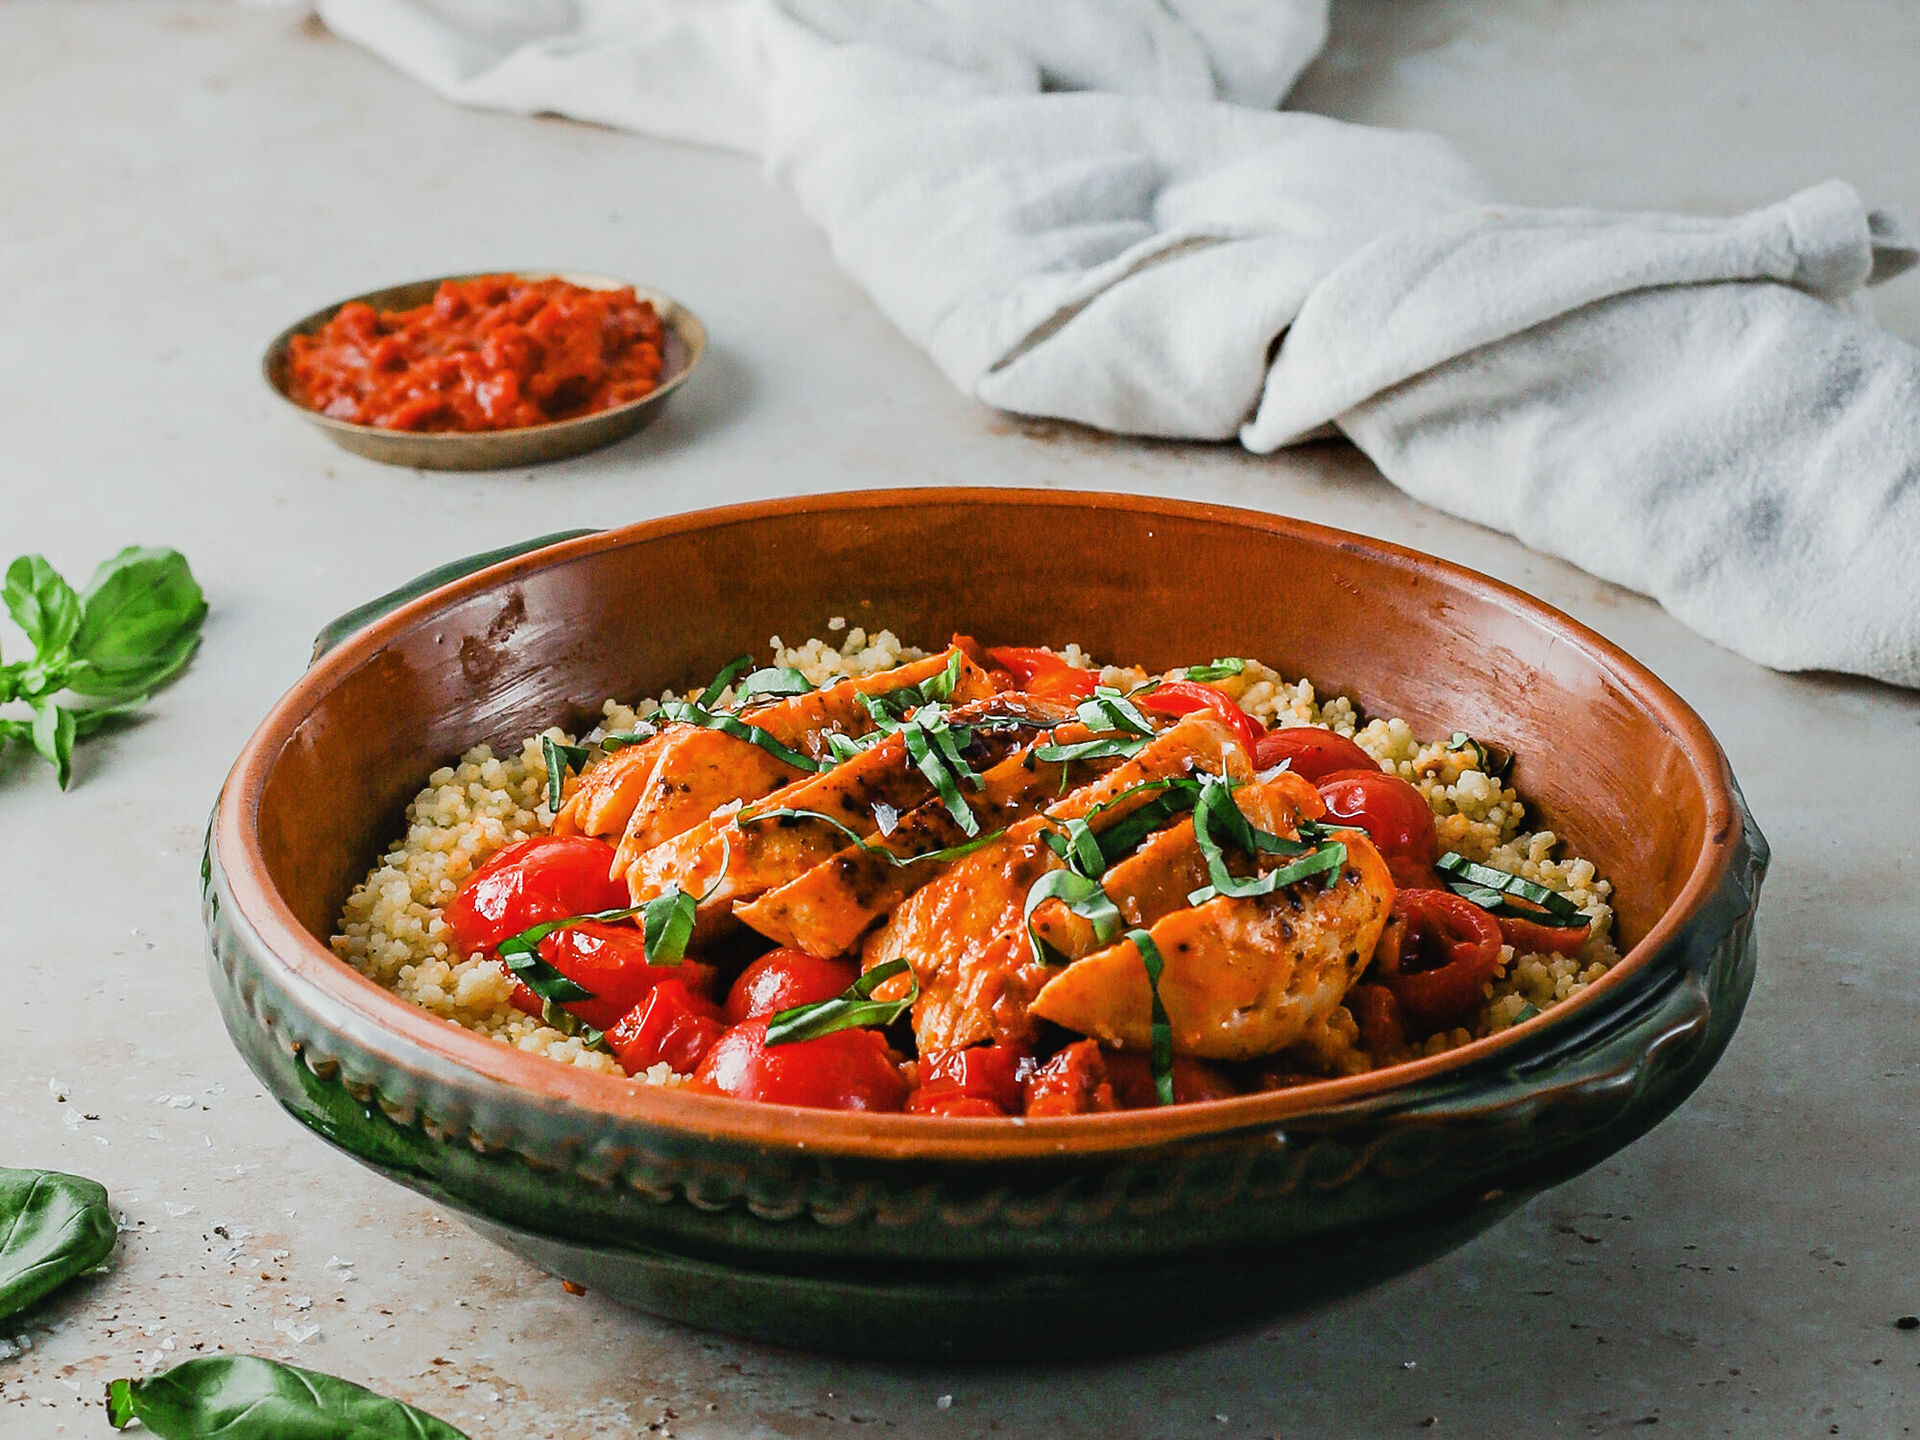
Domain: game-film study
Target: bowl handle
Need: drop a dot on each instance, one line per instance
(335, 631)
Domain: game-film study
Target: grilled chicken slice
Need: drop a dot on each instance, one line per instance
(602, 801)
(964, 932)
(1157, 878)
(757, 855)
(1242, 977)
(697, 770)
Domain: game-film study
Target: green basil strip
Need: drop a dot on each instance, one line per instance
(1215, 813)
(1083, 897)
(778, 681)
(559, 759)
(245, 1397)
(1525, 1012)
(1327, 859)
(718, 687)
(666, 921)
(1085, 853)
(1560, 912)
(1124, 836)
(941, 686)
(844, 748)
(1218, 670)
(682, 712)
(899, 862)
(854, 1008)
(1121, 747)
(620, 739)
(1162, 1033)
(1108, 709)
(53, 1227)
(933, 765)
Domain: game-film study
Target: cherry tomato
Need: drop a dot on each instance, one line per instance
(1310, 752)
(1073, 1082)
(1435, 956)
(847, 1070)
(992, 1073)
(1131, 1074)
(611, 962)
(1528, 937)
(954, 1103)
(674, 1023)
(1395, 816)
(1183, 697)
(1041, 672)
(781, 979)
(550, 877)
(1377, 1013)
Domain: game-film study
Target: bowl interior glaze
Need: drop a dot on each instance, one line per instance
(1608, 756)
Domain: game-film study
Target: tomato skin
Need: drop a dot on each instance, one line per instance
(1183, 697)
(1435, 956)
(1073, 1082)
(953, 1103)
(1382, 1032)
(549, 877)
(610, 961)
(1041, 672)
(1528, 938)
(992, 1073)
(781, 979)
(674, 1023)
(1131, 1074)
(1310, 752)
(847, 1070)
(1395, 816)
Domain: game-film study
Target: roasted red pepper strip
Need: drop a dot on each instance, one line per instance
(1183, 697)
(1435, 957)
(1041, 672)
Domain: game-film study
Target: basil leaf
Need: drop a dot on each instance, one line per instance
(52, 1228)
(91, 719)
(559, 759)
(1218, 670)
(854, 1008)
(666, 921)
(780, 680)
(718, 686)
(53, 733)
(1108, 709)
(140, 623)
(1125, 836)
(843, 747)
(620, 739)
(1083, 897)
(1161, 1054)
(932, 763)
(1120, 747)
(1216, 813)
(1556, 911)
(245, 1397)
(899, 862)
(1525, 1012)
(682, 712)
(1327, 859)
(42, 604)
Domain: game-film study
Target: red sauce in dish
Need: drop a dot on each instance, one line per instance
(496, 353)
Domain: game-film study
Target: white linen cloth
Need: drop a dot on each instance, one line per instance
(1088, 209)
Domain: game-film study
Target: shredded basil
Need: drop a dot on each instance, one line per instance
(778, 681)
(845, 747)
(1525, 1012)
(1218, 670)
(1122, 747)
(685, 712)
(899, 862)
(1162, 1032)
(620, 739)
(559, 759)
(1080, 894)
(1124, 836)
(734, 668)
(934, 747)
(1216, 819)
(854, 1008)
(1108, 709)
(1489, 888)
(666, 921)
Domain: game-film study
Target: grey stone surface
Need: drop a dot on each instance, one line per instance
(177, 181)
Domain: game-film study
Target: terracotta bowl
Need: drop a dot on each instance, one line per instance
(900, 1235)
(685, 346)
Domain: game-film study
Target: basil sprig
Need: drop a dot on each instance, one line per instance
(245, 1397)
(1489, 888)
(1218, 822)
(559, 759)
(52, 1228)
(1160, 1053)
(1218, 670)
(131, 631)
(854, 1008)
(899, 862)
(688, 712)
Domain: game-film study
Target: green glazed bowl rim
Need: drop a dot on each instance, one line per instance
(405, 1035)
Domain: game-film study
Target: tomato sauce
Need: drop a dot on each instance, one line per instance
(496, 353)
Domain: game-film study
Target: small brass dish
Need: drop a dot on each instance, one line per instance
(686, 344)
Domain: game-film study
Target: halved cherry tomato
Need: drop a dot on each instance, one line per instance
(1435, 955)
(847, 1070)
(1395, 816)
(781, 979)
(611, 962)
(674, 1024)
(1310, 752)
(1528, 937)
(992, 1073)
(954, 1103)
(1073, 1082)
(549, 877)
(1041, 672)
(1131, 1074)
(1183, 697)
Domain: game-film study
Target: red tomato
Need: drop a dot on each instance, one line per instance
(611, 962)
(953, 1103)
(1131, 1073)
(1183, 697)
(781, 979)
(1073, 1082)
(1310, 752)
(673, 1024)
(1436, 955)
(1395, 816)
(550, 877)
(847, 1070)
(1528, 937)
(992, 1073)
(1041, 672)
(1377, 1013)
